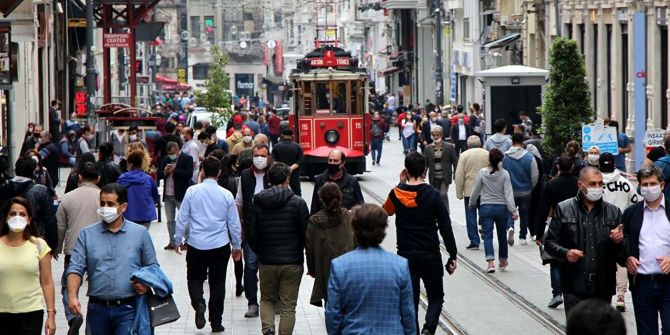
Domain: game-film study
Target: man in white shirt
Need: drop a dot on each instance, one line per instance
(191, 148)
(647, 246)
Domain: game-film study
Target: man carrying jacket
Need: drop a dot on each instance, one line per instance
(620, 192)
(586, 233)
(523, 172)
(420, 213)
(176, 169)
(276, 227)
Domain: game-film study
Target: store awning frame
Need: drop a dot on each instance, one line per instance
(8, 6)
(503, 41)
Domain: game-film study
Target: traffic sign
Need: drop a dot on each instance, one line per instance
(605, 138)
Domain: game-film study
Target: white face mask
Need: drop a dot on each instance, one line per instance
(437, 140)
(651, 193)
(260, 163)
(132, 137)
(17, 223)
(594, 194)
(173, 157)
(246, 139)
(593, 159)
(37, 160)
(107, 214)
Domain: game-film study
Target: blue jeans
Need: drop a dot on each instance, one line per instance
(376, 148)
(113, 320)
(250, 274)
(471, 222)
(555, 273)
(490, 215)
(650, 299)
(409, 143)
(523, 203)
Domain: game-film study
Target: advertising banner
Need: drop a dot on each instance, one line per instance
(600, 136)
(5, 56)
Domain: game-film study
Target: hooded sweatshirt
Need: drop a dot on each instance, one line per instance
(493, 189)
(420, 212)
(499, 141)
(522, 169)
(142, 196)
(618, 190)
(276, 226)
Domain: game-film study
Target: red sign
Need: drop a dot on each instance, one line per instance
(279, 58)
(80, 103)
(115, 40)
(329, 60)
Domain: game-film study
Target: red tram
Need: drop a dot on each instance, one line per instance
(330, 110)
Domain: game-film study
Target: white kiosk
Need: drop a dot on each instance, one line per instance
(510, 90)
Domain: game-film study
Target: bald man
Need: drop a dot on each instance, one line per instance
(336, 173)
(586, 234)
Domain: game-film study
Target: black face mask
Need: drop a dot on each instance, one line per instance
(333, 168)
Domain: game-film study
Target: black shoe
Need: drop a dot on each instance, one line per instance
(472, 246)
(239, 289)
(75, 324)
(200, 317)
(217, 328)
(426, 332)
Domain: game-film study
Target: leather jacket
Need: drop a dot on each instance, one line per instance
(567, 231)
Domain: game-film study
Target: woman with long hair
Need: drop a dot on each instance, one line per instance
(329, 235)
(573, 150)
(25, 269)
(493, 189)
(41, 176)
(142, 190)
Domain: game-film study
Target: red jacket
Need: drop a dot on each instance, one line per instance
(400, 117)
(273, 123)
(454, 120)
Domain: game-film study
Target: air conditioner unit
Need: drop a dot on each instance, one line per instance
(504, 21)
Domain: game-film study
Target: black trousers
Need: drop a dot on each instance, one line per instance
(570, 300)
(200, 264)
(426, 265)
(29, 323)
(294, 182)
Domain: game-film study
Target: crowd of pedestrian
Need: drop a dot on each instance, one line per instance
(239, 197)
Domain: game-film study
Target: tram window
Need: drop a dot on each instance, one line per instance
(305, 95)
(339, 90)
(355, 98)
(322, 95)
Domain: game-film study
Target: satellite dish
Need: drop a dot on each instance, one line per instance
(243, 45)
(271, 44)
(203, 37)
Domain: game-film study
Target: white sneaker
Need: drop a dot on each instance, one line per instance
(510, 236)
(523, 241)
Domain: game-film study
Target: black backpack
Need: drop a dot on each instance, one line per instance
(376, 130)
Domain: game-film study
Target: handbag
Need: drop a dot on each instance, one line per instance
(162, 310)
(546, 258)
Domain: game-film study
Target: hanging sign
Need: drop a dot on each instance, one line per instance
(114, 40)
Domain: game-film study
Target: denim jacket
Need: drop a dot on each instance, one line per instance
(153, 277)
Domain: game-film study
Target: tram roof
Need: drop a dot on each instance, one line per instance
(328, 74)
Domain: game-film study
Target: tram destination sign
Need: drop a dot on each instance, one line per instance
(329, 60)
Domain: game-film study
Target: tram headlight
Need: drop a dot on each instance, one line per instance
(332, 137)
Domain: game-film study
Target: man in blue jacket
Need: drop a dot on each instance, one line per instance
(369, 289)
(523, 172)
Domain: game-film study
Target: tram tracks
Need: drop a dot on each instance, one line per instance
(448, 323)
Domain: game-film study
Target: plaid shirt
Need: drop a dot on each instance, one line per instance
(370, 292)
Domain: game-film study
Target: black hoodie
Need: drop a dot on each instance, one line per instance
(276, 226)
(420, 212)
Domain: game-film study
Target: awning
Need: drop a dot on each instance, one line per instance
(395, 54)
(503, 41)
(389, 70)
(7, 6)
(165, 80)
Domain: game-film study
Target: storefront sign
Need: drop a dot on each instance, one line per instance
(244, 85)
(5, 57)
(654, 138)
(76, 23)
(115, 40)
(80, 103)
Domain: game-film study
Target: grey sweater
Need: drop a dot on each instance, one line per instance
(494, 189)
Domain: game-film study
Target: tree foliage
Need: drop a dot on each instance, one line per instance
(217, 98)
(567, 97)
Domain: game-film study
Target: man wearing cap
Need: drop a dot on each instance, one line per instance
(618, 191)
(289, 153)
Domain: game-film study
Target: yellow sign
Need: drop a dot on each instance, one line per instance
(76, 23)
(447, 30)
(181, 76)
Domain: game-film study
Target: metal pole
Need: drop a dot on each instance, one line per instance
(439, 79)
(558, 19)
(90, 62)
